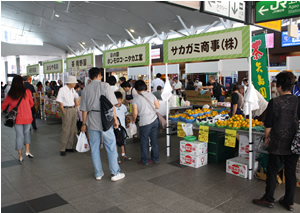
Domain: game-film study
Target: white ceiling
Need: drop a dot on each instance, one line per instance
(85, 20)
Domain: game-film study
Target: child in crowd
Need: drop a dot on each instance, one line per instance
(121, 112)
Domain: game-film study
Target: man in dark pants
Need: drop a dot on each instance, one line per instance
(283, 113)
(216, 87)
(31, 88)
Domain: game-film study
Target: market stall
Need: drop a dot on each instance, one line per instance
(225, 44)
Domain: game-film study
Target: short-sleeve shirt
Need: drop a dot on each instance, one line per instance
(121, 112)
(177, 85)
(90, 102)
(216, 89)
(66, 96)
(157, 82)
(145, 111)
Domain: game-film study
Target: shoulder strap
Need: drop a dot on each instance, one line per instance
(20, 100)
(148, 102)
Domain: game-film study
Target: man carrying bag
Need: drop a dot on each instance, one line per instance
(92, 119)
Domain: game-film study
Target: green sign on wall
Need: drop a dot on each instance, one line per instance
(259, 66)
(230, 43)
(274, 10)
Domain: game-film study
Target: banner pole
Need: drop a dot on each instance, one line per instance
(251, 156)
(167, 118)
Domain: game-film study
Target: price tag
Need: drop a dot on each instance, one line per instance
(203, 133)
(180, 132)
(230, 138)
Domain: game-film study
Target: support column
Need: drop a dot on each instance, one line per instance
(18, 65)
(6, 71)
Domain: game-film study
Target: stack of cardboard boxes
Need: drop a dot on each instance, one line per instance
(193, 154)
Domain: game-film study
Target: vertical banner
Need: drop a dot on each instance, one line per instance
(259, 64)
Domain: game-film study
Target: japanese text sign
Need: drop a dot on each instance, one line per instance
(137, 55)
(203, 133)
(259, 66)
(274, 10)
(230, 138)
(180, 132)
(230, 43)
(53, 67)
(33, 69)
(80, 63)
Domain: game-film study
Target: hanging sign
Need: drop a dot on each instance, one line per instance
(180, 132)
(275, 10)
(230, 43)
(273, 25)
(80, 64)
(53, 67)
(230, 138)
(33, 69)
(138, 55)
(203, 133)
(259, 65)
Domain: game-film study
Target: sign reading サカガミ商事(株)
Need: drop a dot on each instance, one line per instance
(80, 63)
(33, 69)
(53, 67)
(259, 65)
(138, 55)
(230, 43)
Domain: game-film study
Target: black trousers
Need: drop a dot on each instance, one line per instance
(33, 121)
(290, 162)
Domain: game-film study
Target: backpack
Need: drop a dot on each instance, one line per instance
(120, 134)
(107, 113)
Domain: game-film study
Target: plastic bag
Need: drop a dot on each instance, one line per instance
(132, 130)
(167, 92)
(173, 101)
(188, 129)
(82, 143)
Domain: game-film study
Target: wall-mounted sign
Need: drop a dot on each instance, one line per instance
(274, 10)
(155, 53)
(137, 55)
(53, 67)
(80, 64)
(287, 41)
(228, 9)
(33, 69)
(230, 43)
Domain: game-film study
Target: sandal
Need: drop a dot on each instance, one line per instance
(29, 155)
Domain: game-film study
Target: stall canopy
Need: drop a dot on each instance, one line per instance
(226, 67)
(134, 72)
(292, 63)
(203, 67)
(172, 69)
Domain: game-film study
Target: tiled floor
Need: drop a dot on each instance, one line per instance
(53, 184)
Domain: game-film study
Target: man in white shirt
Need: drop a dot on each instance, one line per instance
(68, 99)
(177, 84)
(157, 82)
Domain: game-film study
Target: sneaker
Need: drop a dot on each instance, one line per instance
(124, 157)
(63, 153)
(263, 202)
(119, 161)
(287, 207)
(141, 163)
(100, 177)
(117, 177)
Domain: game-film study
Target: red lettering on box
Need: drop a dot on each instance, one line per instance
(235, 169)
(188, 147)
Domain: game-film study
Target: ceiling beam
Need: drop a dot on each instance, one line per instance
(149, 39)
(72, 51)
(97, 45)
(210, 26)
(129, 33)
(155, 32)
(183, 24)
(223, 22)
(82, 47)
(180, 33)
(67, 10)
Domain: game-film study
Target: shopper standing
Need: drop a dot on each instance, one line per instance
(68, 101)
(216, 87)
(24, 116)
(237, 101)
(148, 123)
(157, 82)
(157, 94)
(130, 92)
(91, 118)
(281, 124)
(121, 80)
(112, 82)
(29, 86)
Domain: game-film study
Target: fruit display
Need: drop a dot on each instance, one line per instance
(238, 117)
(224, 112)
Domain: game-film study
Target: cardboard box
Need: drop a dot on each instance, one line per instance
(239, 167)
(193, 161)
(193, 148)
(195, 97)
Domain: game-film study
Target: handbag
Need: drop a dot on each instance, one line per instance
(10, 117)
(295, 147)
(162, 120)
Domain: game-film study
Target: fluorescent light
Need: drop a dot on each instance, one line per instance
(83, 43)
(56, 15)
(131, 30)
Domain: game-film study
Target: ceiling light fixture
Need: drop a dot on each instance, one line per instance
(56, 15)
(83, 43)
(132, 30)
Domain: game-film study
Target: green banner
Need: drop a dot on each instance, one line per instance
(259, 65)
(230, 43)
(274, 10)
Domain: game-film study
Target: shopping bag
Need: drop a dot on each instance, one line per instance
(132, 130)
(188, 129)
(82, 143)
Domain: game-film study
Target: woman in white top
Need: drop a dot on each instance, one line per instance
(112, 82)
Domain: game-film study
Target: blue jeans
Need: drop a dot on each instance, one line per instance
(22, 135)
(146, 132)
(110, 146)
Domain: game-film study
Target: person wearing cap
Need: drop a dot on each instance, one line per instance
(216, 87)
(157, 82)
(68, 99)
(177, 84)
